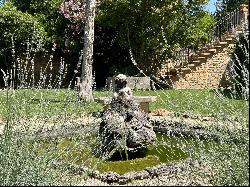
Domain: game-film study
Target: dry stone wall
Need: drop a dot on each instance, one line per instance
(140, 83)
(210, 74)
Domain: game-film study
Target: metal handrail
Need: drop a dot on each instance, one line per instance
(227, 24)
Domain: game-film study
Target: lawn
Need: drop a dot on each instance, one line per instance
(20, 165)
(49, 102)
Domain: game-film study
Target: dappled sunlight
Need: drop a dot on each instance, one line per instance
(186, 123)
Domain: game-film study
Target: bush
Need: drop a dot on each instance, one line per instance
(17, 27)
(152, 29)
(20, 166)
(47, 12)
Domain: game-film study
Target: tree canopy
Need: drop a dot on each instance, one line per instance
(17, 27)
(152, 29)
(224, 7)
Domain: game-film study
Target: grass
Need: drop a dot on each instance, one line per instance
(19, 166)
(46, 102)
(204, 102)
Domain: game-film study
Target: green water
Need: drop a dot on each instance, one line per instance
(78, 151)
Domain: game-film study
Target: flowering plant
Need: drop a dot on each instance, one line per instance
(74, 12)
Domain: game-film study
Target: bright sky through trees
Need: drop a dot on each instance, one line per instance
(211, 6)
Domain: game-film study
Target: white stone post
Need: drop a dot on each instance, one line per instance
(245, 16)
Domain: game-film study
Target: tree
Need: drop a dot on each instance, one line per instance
(16, 27)
(74, 12)
(85, 91)
(152, 29)
(48, 14)
(2, 2)
(82, 14)
(19, 31)
(78, 14)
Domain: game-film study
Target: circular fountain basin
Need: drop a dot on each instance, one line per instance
(75, 151)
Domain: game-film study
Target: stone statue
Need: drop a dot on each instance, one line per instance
(124, 126)
(122, 91)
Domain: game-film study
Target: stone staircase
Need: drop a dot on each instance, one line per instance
(206, 68)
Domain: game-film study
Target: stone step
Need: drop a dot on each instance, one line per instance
(229, 34)
(239, 32)
(204, 54)
(185, 69)
(224, 37)
(213, 50)
(196, 61)
(229, 39)
(191, 65)
(201, 58)
(207, 49)
(217, 46)
(222, 43)
(193, 56)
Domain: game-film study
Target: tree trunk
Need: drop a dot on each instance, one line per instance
(85, 87)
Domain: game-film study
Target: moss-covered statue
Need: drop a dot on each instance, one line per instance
(124, 128)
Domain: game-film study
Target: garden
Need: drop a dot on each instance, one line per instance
(48, 140)
(53, 131)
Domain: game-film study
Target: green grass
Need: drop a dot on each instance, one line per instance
(47, 102)
(204, 102)
(35, 102)
(16, 160)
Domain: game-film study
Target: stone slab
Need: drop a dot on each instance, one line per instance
(140, 83)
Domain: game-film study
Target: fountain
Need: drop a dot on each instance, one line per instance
(124, 128)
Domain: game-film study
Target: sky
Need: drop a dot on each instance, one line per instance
(211, 6)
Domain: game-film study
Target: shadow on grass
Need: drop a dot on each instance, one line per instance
(36, 101)
(236, 94)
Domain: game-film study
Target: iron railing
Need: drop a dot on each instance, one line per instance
(228, 24)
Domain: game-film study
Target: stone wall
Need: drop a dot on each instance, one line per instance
(45, 71)
(140, 83)
(210, 74)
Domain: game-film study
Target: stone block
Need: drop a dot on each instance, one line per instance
(140, 83)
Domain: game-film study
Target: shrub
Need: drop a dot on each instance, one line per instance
(47, 12)
(16, 27)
